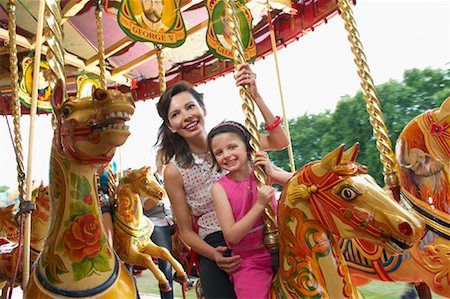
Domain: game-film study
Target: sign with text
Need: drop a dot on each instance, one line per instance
(156, 21)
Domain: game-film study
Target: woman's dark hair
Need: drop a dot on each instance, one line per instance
(229, 127)
(172, 144)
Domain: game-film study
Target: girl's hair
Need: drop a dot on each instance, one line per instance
(171, 144)
(229, 127)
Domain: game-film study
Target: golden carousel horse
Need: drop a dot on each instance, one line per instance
(39, 229)
(76, 260)
(423, 153)
(132, 230)
(334, 197)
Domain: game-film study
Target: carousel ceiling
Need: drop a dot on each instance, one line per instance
(134, 63)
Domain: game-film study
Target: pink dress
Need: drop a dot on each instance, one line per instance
(253, 279)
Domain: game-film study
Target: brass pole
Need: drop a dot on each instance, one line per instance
(373, 105)
(271, 230)
(280, 89)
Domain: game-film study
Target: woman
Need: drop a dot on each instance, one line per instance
(188, 176)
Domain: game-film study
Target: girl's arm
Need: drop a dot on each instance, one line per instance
(175, 190)
(234, 231)
(276, 139)
(277, 174)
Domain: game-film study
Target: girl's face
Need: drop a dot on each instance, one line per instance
(230, 152)
(185, 115)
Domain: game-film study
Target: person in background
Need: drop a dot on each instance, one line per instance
(105, 202)
(161, 216)
(239, 204)
(189, 175)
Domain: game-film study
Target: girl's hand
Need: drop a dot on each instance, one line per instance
(227, 264)
(245, 76)
(262, 159)
(265, 194)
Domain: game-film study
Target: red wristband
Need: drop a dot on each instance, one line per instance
(274, 125)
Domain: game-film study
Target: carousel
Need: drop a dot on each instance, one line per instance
(335, 228)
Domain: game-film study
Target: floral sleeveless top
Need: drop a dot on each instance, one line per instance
(197, 184)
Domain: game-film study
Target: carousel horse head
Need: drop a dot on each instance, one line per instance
(40, 219)
(89, 129)
(346, 200)
(8, 224)
(143, 183)
(423, 153)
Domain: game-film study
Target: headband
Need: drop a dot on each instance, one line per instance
(233, 124)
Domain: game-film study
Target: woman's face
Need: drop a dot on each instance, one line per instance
(185, 115)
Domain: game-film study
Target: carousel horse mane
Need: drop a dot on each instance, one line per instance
(423, 154)
(334, 197)
(132, 230)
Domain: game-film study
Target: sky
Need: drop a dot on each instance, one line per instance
(315, 72)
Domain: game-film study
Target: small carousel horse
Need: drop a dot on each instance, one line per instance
(8, 223)
(334, 197)
(76, 260)
(132, 230)
(423, 153)
(39, 229)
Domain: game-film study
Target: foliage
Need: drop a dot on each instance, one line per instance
(3, 188)
(313, 136)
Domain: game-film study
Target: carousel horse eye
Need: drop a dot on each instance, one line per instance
(66, 111)
(349, 193)
(145, 181)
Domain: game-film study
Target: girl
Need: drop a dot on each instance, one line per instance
(189, 176)
(239, 206)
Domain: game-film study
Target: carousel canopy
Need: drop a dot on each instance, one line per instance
(134, 64)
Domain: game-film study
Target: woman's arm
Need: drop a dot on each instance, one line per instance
(175, 190)
(276, 139)
(234, 231)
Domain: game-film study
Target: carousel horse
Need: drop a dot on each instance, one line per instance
(8, 223)
(77, 261)
(423, 153)
(39, 229)
(328, 198)
(132, 230)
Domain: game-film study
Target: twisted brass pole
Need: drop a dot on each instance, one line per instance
(373, 106)
(271, 230)
(103, 84)
(54, 36)
(161, 70)
(15, 104)
(101, 47)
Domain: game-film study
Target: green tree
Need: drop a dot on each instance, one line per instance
(313, 136)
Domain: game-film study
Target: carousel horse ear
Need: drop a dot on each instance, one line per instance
(99, 94)
(145, 168)
(300, 192)
(57, 95)
(444, 110)
(351, 153)
(328, 162)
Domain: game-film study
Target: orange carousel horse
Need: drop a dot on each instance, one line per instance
(423, 153)
(328, 198)
(77, 260)
(132, 230)
(39, 228)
